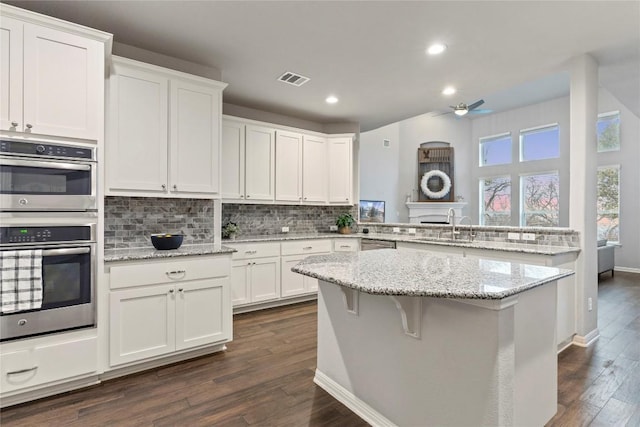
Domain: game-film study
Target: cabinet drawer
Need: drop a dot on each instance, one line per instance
(346, 245)
(48, 363)
(306, 247)
(254, 250)
(156, 272)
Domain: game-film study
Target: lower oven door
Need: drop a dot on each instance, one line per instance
(68, 300)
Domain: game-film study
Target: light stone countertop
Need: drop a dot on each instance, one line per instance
(430, 274)
(132, 254)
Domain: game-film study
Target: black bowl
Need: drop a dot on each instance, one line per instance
(165, 242)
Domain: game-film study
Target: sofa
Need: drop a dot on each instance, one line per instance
(606, 257)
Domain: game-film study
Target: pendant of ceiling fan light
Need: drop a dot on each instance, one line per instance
(460, 109)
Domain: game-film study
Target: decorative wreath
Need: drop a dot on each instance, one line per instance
(446, 184)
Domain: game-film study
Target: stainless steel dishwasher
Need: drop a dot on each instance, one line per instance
(372, 244)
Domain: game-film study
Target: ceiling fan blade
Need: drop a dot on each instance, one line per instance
(481, 111)
(475, 104)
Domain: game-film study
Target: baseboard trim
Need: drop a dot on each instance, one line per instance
(22, 396)
(352, 402)
(586, 340)
(274, 303)
(627, 269)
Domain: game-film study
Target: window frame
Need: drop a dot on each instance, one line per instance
(602, 116)
(490, 138)
(532, 130)
(522, 218)
(598, 212)
(481, 219)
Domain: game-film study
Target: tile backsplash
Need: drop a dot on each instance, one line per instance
(261, 220)
(130, 221)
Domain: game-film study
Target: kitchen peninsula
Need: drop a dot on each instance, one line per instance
(424, 338)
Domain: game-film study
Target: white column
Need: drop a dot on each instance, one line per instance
(583, 181)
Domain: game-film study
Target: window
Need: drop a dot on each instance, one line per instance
(608, 131)
(495, 150)
(495, 196)
(539, 200)
(608, 203)
(540, 143)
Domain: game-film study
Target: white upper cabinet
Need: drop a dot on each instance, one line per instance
(163, 134)
(259, 163)
(232, 160)
(314, 169)
(52, 81)
(288, 166)
(340, 167)
(195, 138)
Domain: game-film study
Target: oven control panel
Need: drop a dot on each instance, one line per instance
(24, 235)
(8, 146)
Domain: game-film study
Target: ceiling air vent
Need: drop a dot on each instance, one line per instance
(293, 78)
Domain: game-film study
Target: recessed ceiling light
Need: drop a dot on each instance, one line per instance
(449, 90)
(331, 99)
(436, 49)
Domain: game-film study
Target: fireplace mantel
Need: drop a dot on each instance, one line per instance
(433, 212)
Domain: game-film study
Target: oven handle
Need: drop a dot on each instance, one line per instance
(43, 164)
(65, 251)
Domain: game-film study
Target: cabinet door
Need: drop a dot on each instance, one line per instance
(141, 323)
(240, 282)
(339, 170)
(63, 83)
(314, 169)
(232, 160)
(203, 314)
(259, 163)
(288, 166)
(137, 142)
(265, 279)
(11, 74)
(292, 283)
(195, 138)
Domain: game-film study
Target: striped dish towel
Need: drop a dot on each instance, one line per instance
(21, 280)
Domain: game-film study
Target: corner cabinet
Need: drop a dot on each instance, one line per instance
(163, 132)
(160, 307)
(272, 164)
(52, 76)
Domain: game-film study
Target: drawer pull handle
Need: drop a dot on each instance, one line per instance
(306, 248)
(181, 290)
(174, 272)
(345, 246)
(250, 252)
(22, 371)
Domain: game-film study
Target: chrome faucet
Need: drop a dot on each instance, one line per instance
(451, 219)
(471, 234)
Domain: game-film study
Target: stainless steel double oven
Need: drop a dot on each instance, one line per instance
(48, 202)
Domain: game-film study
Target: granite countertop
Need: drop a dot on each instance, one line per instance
(430, 274)
(131, 254)
(285, 236)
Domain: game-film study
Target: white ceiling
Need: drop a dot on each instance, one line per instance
(371, 53)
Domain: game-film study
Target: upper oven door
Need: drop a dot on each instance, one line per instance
(38, 185)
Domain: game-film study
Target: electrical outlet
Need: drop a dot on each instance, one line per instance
(333, 228)
(590, 303)
(396, 229)
(411, 230)
(513, 236)
(285, 229)
(528, 236)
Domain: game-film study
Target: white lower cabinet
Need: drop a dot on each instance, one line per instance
(292, 253)
(191, 309)
(255, 280)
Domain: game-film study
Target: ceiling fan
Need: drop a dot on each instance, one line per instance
(462, 109)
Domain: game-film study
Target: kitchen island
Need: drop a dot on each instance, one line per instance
(413, 338)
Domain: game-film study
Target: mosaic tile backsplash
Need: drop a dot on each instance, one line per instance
(262, 220)
(130, 221)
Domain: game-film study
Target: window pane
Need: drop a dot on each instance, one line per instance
(608, 203)
(540, 144)
(540, 207)
(496, 201)
(608, 130)
(495, 150)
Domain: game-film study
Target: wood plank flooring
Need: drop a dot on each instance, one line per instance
(265, 378)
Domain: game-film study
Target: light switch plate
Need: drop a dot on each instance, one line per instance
(411, 230)
(285, 229)
(513, 236)
(528, 236)
(396, 229)
(333, 228)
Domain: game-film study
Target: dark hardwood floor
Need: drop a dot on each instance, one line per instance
(265, 378)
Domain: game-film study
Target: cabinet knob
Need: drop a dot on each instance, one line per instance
(175, 187)
(164, 187)
(14, 124)
(29, 126)
(248, 196)
(171, 291)
(305, 198)
(346, 199)
(241, 196)
(180, 290)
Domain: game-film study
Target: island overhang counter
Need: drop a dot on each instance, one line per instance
(421, 338)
